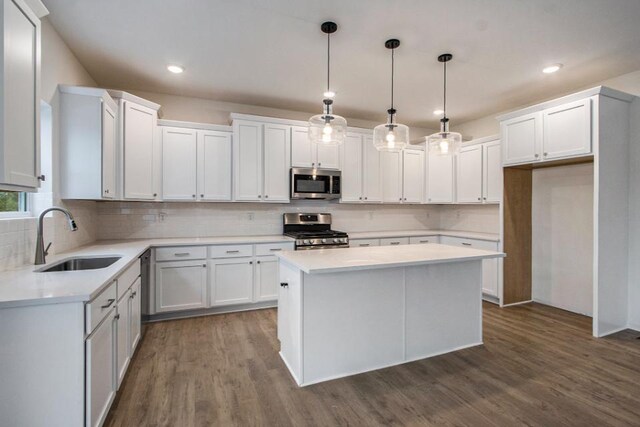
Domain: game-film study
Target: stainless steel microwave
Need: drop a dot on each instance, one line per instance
(313, 183)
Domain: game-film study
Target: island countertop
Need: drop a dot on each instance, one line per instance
(351, 259)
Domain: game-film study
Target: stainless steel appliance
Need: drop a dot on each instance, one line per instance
(313, 183)
(145, 279)
(313, 231)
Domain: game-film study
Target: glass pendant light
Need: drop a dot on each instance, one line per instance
(444, 142)
(391, 136)
(328, 128)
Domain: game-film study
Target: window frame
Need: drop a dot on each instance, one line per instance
(24, 204)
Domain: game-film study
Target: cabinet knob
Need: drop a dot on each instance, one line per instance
(257, 262)
(319, 164)
(360, 198)
(366, 198)
(155, 194)
(117, 316)
(259, 196)
(266, 197)
(545, 154)
(536, 156)
(284, 285)
(484, 198)
(106, 191)
(479, 198)
(41, 178)
(313, 164)
(405, 199)
(400, 199)
(202, 196)
(250, 262)
(204, 265)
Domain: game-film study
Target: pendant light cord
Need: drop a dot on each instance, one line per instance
(328, 60)
(392, 69)
(444, 107)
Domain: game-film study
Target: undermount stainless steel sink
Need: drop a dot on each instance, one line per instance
(80, 263)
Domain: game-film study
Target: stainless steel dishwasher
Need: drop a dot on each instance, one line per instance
(145, 278)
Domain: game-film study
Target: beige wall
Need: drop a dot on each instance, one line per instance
(488, 125)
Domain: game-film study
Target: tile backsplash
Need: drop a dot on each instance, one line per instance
(479, 218)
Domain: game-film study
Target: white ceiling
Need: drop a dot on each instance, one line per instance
(272, 53)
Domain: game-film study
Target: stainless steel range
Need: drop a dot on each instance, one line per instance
(313, 231)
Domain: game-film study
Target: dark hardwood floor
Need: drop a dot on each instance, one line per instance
(539, 366)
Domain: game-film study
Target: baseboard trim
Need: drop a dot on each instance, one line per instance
(159, 317)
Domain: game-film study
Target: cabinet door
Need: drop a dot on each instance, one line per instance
(351, 177)
(412, 176)
(363, 243)
(522, 139)
(492, 169)
(231, 281)
(181, 285)
(277, 157)
(391, 165)
(489, 266)
(328, 156)
(135, 316)
(109, 132)
(214, 165)
(247, 155)
(100, 377)
(469, 171)
(372, 185)
(179, 153)
(266, 280)
(123, 321)
(567, 130)
(20, 97)
(139, 152)
(303, 151)
(440, 178)
(421, 240)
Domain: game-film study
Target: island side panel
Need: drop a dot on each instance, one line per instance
(443, 308)
(290, 319)
(352, 322)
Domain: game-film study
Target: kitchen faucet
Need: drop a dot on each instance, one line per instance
(41, 251)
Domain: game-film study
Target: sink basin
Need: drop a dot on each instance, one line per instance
(79, 263)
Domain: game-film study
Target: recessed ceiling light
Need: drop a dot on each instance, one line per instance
(437, 112)
(175, 69)
(551, 68)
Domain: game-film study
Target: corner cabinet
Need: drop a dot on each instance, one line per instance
(262, 160)
(88, 129)
(140, 156)
(19, 98)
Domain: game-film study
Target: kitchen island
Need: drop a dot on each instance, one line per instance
(347, 311)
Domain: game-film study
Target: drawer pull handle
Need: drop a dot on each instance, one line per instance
(395, 243)
(108, 304)
(275, 249)
(284, 285)
(466, 244)
(424, 241)
(365, 244)
(181, 254)
(233, 252)
(117, 317)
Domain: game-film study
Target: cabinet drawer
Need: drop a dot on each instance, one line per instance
(424, 239)
(230, 251)
(272, 248)
(126, 279)
(394, 241)
(181, 252)
(469, 243)
(363, 243)
(98, 308)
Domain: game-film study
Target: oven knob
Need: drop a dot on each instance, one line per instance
(336, 240)
(306, 241)
(324, 240)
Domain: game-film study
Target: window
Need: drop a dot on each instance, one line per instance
(13, 204)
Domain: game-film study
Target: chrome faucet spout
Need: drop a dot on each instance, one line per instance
(41, 252)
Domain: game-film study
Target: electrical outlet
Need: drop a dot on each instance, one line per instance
(250, 216)
(162, 216)
(370, 214)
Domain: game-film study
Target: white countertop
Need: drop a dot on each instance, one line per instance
(351, 259)
(24, 286)
(417, 233)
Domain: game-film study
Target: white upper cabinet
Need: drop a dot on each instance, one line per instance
(139, 154)
(413, 176)
(305, 154)
(567, 130)
(262, 159)
(469, 175)
(492, 172)
(179, 163)
(440, 178)
(522, 138)
(247, 154)
(214, 165)
(352, 170)
(88, 128)
(391, 165)
(372, 185)
(554, 130)
(277, 144)
(19, 97)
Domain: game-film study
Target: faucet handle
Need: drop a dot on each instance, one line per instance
(46, 250)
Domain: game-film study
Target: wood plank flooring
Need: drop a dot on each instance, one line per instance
(539, 366)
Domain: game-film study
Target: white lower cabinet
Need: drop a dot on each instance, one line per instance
(231, 281)
(490, 267)
(421, 240)
(181, 285)
(135, 316)
(100, 375)
(266, 278)
(123, 326)
(363, 243)
(394, 241)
